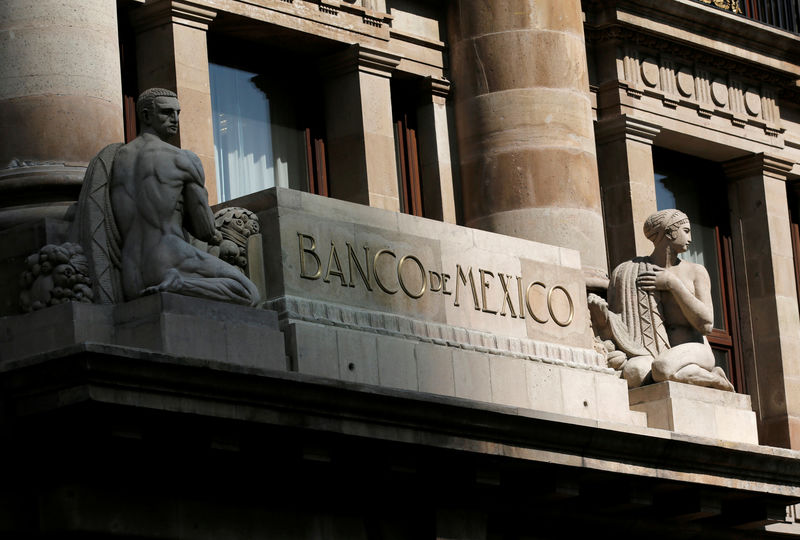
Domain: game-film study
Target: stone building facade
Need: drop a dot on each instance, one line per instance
(409, 161)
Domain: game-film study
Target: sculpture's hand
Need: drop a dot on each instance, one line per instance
(656, 280)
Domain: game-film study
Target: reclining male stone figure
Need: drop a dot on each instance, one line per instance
(659, 311)
(157, 194)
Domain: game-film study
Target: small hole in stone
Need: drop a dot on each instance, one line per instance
(585, 403)
(351, 366)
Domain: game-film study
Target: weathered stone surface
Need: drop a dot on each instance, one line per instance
(524, 128)
(348, 256)
(167, 323)
(704, 412)
(59, 78)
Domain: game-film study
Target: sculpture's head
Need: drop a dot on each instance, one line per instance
(157, 110)
(672, 225)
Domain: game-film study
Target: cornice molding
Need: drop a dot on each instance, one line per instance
(630, 36)
(628, 127)
(160, 12)
(758, 165)
(359, 58)
(435, 86)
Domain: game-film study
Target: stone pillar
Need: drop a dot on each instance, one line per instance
(524, 123)
(766, 292)
(362, 165)
(60, 101)
(625, 160)
(172, 53)
(436, 173)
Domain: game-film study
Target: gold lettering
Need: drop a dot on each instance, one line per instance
(484, 286)
(352, 259)
(521, 298)
(528, 300)
(445, 277)
(375, 269)
(550, 306)
(311, 251)
(461, 278)
(421, 272)
(506, 297)
(334, 258)
(435, 277)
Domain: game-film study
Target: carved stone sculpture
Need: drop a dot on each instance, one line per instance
(54, 275)
(659, 311)
(157, 197)
(235, 225)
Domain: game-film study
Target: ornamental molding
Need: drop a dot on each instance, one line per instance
(435, 86)
(690, 55)
(292, 308)
(627, 127)
(181, 12)
(359, 58)
(727, 5)
(685, 77)
(369, 16)
(758, 165)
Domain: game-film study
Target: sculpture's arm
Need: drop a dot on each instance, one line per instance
(697, 307)
(198, 216)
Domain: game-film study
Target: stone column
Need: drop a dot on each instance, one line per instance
(172, 53)
(436, 173)
(60, 101)
(766, 293)
(362, 165)
(625, 160)
(524, 123)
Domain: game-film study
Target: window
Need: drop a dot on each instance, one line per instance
(267, 120)
(690, 184)
(256, 142)
(794, 219)
(128, 76)
(404, 105)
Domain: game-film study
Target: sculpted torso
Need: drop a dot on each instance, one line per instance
(149, 181)
(157, 194)
(680, 293)
(695, 278)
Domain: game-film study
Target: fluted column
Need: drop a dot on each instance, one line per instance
(524, 122)
(60, 101)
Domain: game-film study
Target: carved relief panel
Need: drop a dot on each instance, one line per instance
(709, 90)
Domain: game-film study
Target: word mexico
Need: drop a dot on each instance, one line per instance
(392, 273)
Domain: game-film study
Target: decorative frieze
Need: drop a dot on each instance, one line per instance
(372, 13)
(712, 85)
(709, 90)
(669, 81)
(727, 5)
(630, 71)
(328, 8)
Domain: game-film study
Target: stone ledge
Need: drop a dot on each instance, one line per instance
(167, 323)
(300, 309)
(695, 410)
(141, 381)
(670, 389)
